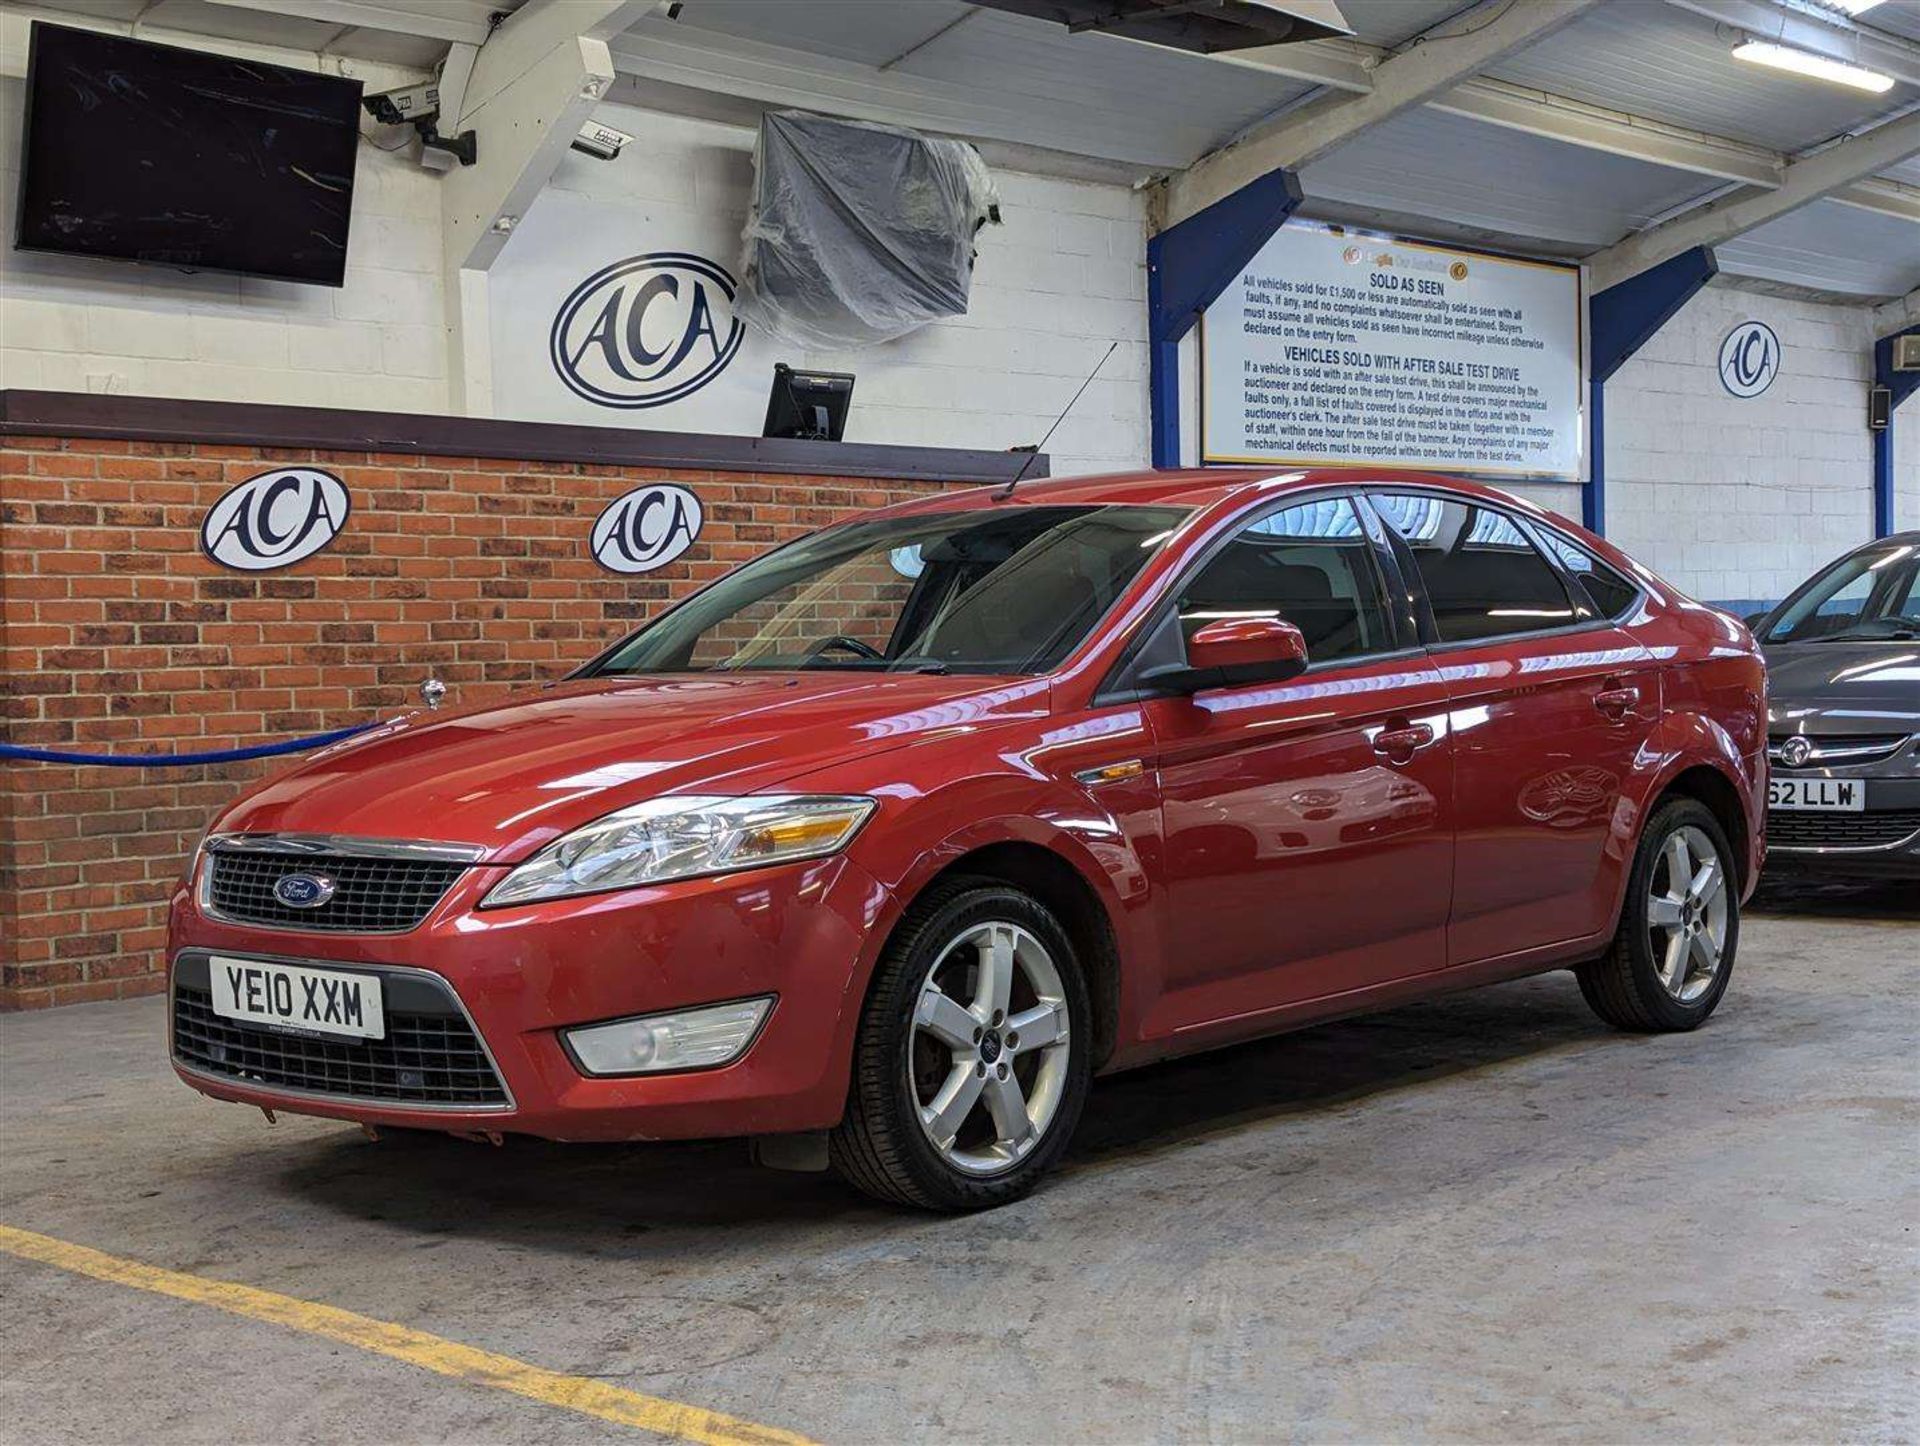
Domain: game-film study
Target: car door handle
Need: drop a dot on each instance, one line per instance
(1616, 703)
(1401, 742)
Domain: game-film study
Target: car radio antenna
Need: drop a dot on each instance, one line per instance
(1038, 447)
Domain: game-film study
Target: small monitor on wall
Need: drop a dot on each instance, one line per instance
(810, 405)
(144, 152)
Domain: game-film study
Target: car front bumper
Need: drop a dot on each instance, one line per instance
(799, 933)
(1880, 841)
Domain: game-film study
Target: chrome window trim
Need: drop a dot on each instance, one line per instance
(294, 1091)
(346, 846)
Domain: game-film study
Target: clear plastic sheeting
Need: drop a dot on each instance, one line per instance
(859, 233)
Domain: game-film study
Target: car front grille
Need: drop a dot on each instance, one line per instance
(429, 1059)
(1811, 829)
(371, 895)
(1847, 750)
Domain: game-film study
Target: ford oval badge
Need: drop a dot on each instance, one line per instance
(304, 891)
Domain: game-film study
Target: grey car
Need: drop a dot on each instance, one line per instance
(1843, 673)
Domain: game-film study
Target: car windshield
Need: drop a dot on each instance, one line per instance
(1869, 596)
(1004, 590)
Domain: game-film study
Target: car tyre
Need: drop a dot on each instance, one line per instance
(1673, 953)
(934, 1111)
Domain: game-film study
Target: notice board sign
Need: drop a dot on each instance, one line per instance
(1338, 349)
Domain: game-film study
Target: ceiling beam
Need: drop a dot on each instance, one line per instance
(453, 23)
(533, 31)
(1883, 197)
(1897, 314)
(1843, 164)
(527, 92)
(677, 53)
(1827, 33)
(1537, 113)
(1409, 78)
(1336, 64)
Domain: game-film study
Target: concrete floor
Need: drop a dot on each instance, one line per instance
(1484, 1218)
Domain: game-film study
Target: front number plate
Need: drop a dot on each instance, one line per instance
(1835, 795)
(317, 1001)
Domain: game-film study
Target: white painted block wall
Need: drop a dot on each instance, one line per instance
(1063, 276)
(77, 324)
(1906, 466)
(1737, 499)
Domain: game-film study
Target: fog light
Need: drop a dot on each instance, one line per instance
(686, 1039)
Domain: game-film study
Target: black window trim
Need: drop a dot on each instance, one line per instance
(1547, 529)
(1395, 594)
(1587, 617)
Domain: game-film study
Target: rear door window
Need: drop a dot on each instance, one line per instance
(1610, 593)
(1483, 576)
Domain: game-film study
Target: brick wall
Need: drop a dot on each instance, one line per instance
(117, 635)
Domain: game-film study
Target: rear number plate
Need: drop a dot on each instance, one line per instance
(1840, 795)
(313, 1001)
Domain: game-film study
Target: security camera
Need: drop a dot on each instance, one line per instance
(603, 143)
(408, 105)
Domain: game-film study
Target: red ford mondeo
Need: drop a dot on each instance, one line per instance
(881, 847)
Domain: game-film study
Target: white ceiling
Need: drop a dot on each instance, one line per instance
(1902, 17)
(412, 32)
(1010, 78)
(952, 67)
(1853, 251)
(1500, 181)
(1668, 65)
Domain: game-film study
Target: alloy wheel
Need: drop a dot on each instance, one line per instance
(1687, 914)
(987, 1062)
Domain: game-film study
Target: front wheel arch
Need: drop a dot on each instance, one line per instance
(1057, 883)
(1711, 787)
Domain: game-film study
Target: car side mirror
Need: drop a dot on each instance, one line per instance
(1753, 621)
(1234, 650)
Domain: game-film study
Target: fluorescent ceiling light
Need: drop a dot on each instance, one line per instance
(1805, 62)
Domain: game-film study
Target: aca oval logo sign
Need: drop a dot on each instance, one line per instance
(647, 528)
(1749, 359)
(646, 331)
(275, 519)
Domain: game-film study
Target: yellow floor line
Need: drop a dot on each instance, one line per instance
(400, 1343)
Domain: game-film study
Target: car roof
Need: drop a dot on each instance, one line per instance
(1200, 487)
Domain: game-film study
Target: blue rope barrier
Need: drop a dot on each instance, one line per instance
(182, 760)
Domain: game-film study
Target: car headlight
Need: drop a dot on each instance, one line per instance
(683, 837)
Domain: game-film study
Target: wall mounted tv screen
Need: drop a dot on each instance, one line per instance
(180, 158)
